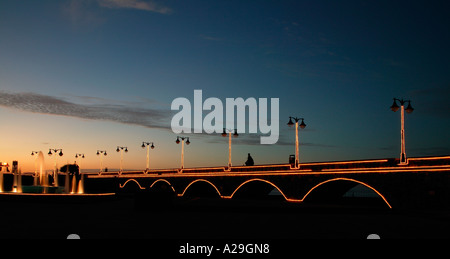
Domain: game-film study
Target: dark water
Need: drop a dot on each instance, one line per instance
(123, 217)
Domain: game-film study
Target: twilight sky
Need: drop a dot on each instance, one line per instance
(84, 75)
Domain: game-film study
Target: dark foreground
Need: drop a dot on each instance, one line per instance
(121, 217)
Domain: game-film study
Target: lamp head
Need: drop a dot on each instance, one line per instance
(188, 142)
(224, 134)
(143, 145)
(290, 123)
(178, 140)
(394, 106)
(409, 109)
(302, 125)
(235, 133)
(61, 153)
(152, 146)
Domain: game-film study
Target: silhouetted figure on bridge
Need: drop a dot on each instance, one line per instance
(249, 161)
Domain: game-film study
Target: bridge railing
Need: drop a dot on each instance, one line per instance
(314, 167)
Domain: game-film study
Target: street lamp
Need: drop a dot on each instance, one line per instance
(101, 153)
(121, 149)
(302, 126)
(182, 147)
(55, 174)
(55, 150)
(409, 109)
(77, 155)
(148, 153)
(224, 134)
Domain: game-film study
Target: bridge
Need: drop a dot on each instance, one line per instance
(421, 182)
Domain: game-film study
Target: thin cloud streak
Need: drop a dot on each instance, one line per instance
(81, 12)
(43, 104)
(135, 4)
(86, 12)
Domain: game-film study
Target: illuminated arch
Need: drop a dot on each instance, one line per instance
(131, 180)
(200, 180)
(352, 180)
(163, 180)
(260, 180)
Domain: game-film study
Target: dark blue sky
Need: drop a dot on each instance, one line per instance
(336, 63)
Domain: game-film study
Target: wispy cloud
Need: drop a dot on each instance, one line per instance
(86, 12)
(136, 4)
(82, 12)
(127, 114)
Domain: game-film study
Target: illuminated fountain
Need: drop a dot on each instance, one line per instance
(42, 177)
(40, 182)
(42, 185)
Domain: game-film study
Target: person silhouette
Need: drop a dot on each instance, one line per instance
(249, 161)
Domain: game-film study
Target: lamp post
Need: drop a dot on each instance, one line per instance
(224, 134)
(101, 153)
(35, 161)
(77, 155)
(182, 147)
(36, 179)
(121, 149)
(149, 145)
(302, 126)
(409, 109)
(55, 174)
(74, 179)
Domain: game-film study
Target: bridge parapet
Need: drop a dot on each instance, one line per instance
(429, 161)
(375, 164)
